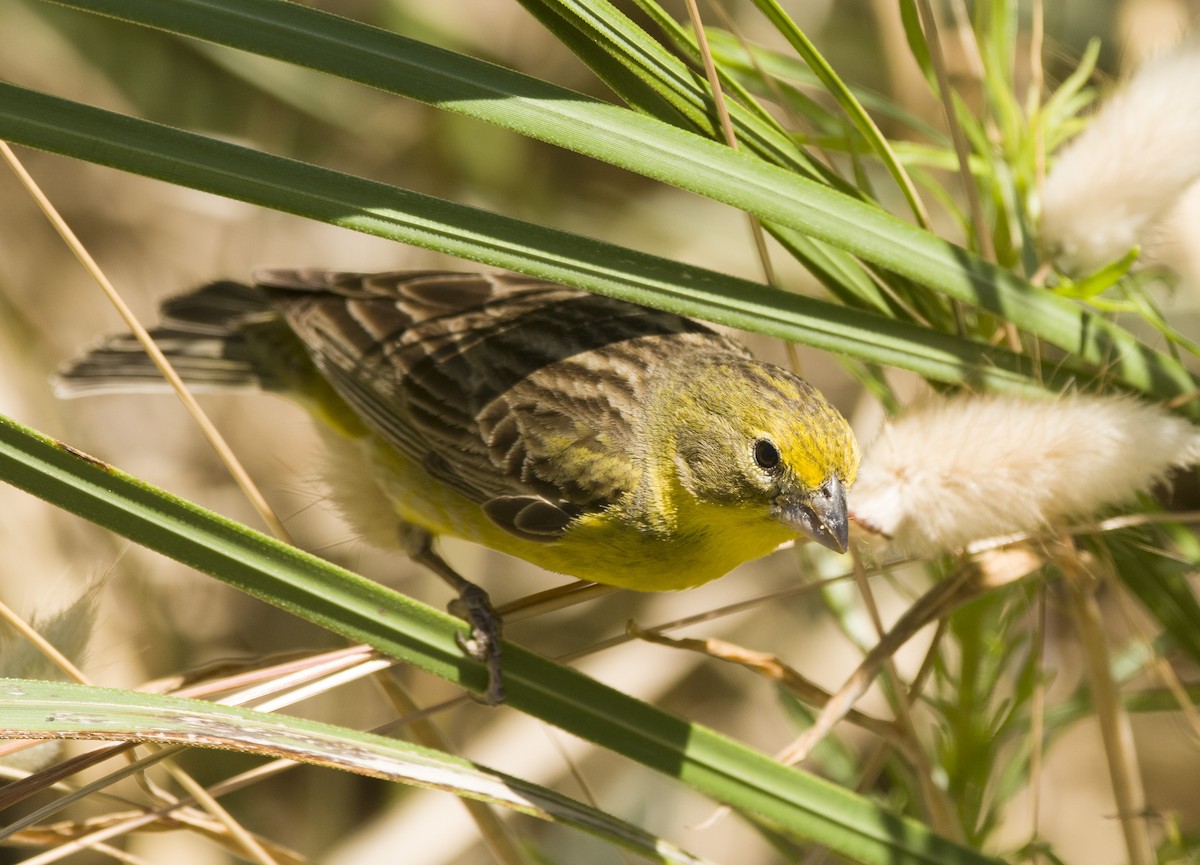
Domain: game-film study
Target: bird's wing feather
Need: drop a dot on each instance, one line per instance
(520, 394)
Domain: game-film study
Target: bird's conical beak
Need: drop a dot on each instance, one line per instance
(821, 515)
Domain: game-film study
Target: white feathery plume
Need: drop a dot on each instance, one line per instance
(953, 471)
(1129, 166)
(1175, 240)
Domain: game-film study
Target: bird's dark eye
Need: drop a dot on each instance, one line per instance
(766, 455)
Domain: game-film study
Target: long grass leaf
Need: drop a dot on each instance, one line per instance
(227, 169)
(630, 140)
(33, 710)
(343, 602)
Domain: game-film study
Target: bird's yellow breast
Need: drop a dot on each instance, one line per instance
(376, 487)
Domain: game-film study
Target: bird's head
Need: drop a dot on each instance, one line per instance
(750, 435)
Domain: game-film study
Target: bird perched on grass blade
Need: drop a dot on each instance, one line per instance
(588, 435)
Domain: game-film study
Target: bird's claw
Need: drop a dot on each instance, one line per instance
(474, 605)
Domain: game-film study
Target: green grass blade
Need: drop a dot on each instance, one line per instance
(1157, 565)
(757, 63)
(202, 163)
(804, 806)
(630, 140)
(43, 710)
(617, 58)
(648, 77)
(846, 100)
(843, 275)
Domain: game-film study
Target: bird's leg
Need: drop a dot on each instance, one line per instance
(472, 604)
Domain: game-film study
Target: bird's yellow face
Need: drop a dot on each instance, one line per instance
(749, 435)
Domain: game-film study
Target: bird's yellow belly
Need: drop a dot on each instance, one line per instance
(376, 487)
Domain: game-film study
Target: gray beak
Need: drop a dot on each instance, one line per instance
(822, 515)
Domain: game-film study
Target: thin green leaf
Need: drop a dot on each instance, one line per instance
(618, 50)
(1095, 284)
(843, 276)
(347, 604)
(317, 40)
(996, 35)
(753, 61)
(295, 187)
(910, 18)
(46, 710)
(1070, 97)
(850, 105)
(1157, 566)
(914, 153)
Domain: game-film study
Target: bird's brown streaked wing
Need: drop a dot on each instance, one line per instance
(520, 394)
(358, 329)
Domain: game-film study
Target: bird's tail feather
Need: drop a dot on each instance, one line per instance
(205, 334)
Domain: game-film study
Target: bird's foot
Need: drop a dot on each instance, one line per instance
(474, 605)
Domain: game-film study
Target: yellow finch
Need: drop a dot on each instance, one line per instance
(590, 436)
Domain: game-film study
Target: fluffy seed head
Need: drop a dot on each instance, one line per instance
(1129, 167)
(1175, 241)
(953, 471)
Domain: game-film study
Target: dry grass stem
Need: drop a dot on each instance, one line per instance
(962, 150)
(1115, 728)
(773, 668)
(971, 579)
(494, 833)
(727, 130)
(224, 452)
(940, 811)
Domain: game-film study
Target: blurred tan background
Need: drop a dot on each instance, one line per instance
(153, 240)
